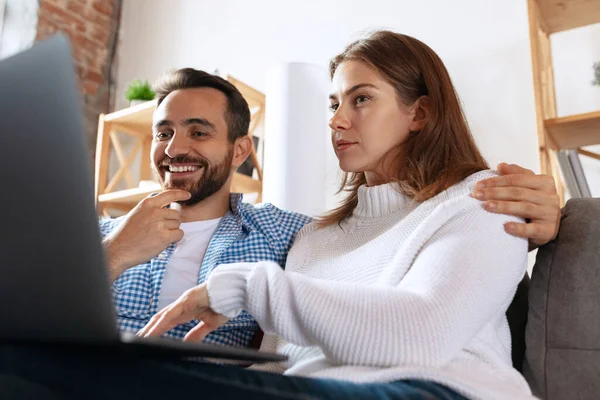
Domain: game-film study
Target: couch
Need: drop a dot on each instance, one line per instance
(555, 317)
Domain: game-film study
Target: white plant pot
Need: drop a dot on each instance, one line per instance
(136, 102)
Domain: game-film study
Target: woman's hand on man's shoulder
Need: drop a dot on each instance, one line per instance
(522, 193)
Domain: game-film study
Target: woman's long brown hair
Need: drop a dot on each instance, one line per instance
(434, 158)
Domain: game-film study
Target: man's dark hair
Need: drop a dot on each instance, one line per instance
(237, 114)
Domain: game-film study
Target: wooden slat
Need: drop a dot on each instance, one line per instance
(145, 168)
(590, 154)
(575, 130)
(121, 156)
(561, 15)
(537, 67)
(115, 179)
(128, 196)
(547, 72)
(252, 96)
(256, 164)
(244, 184)
(136, 118)
(257, 121)
(124, 207)
(128, 130)
(102, 155)
(558, 178)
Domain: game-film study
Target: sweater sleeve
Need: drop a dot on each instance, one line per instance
(463, 277)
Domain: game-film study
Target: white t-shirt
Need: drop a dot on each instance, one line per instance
(184, 266)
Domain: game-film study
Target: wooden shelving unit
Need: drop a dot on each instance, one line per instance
(547, 17)
(121, 190)
(575, 130)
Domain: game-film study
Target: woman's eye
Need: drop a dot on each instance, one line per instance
(333, 107)
(361, 99)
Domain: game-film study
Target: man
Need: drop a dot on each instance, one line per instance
(200, 129)
(200, 137)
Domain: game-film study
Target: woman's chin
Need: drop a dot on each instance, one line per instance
(349, 168)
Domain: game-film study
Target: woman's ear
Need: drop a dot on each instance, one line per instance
(241, 150)
(421, 114)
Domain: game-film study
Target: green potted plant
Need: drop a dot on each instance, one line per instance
(138, 92)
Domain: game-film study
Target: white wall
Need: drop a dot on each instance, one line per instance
(18, 25)
(485, 45)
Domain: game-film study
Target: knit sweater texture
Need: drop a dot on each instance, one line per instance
(399, 290)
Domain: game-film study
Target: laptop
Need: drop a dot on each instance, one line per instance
(54, 287)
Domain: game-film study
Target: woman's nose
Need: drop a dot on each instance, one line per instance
(339, 121)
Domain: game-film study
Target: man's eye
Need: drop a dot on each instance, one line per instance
(163, 135)
(333, 107)
(199, 134)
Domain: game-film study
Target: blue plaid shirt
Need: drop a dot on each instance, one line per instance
(247, 233)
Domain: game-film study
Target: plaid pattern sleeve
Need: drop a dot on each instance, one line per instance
(106, 225)
(247, 234)
(278, 226)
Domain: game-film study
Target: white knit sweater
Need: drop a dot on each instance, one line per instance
(401, 290)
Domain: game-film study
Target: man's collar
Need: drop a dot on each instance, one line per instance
(235, 202)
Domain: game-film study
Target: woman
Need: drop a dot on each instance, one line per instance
(402, 290)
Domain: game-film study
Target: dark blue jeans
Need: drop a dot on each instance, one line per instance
(47, 373)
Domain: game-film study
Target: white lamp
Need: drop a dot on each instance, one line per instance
(296, 138)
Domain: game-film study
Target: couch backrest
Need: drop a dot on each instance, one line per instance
(563, 328)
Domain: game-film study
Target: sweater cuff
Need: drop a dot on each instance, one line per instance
(227, 288)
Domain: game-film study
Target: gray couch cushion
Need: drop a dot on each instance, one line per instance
(563, 328)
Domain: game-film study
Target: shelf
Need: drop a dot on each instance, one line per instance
(127, 196)
(138, 117)
(561, 15)
(253, 97)
(575, 130)
(241, 184)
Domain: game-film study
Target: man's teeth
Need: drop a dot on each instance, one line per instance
(186, 168)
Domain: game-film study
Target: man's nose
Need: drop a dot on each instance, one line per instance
(178, 145)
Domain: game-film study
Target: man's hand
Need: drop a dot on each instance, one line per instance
(147, 230)
(522, 193)
(193, 304)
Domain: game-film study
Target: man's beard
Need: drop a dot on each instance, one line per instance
(212, 180)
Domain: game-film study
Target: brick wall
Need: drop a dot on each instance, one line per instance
(92, 26)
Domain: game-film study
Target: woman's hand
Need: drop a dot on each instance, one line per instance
(192, 304)
(522, 193)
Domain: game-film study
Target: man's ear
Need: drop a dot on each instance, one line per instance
(241, 150)
(421, 114)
